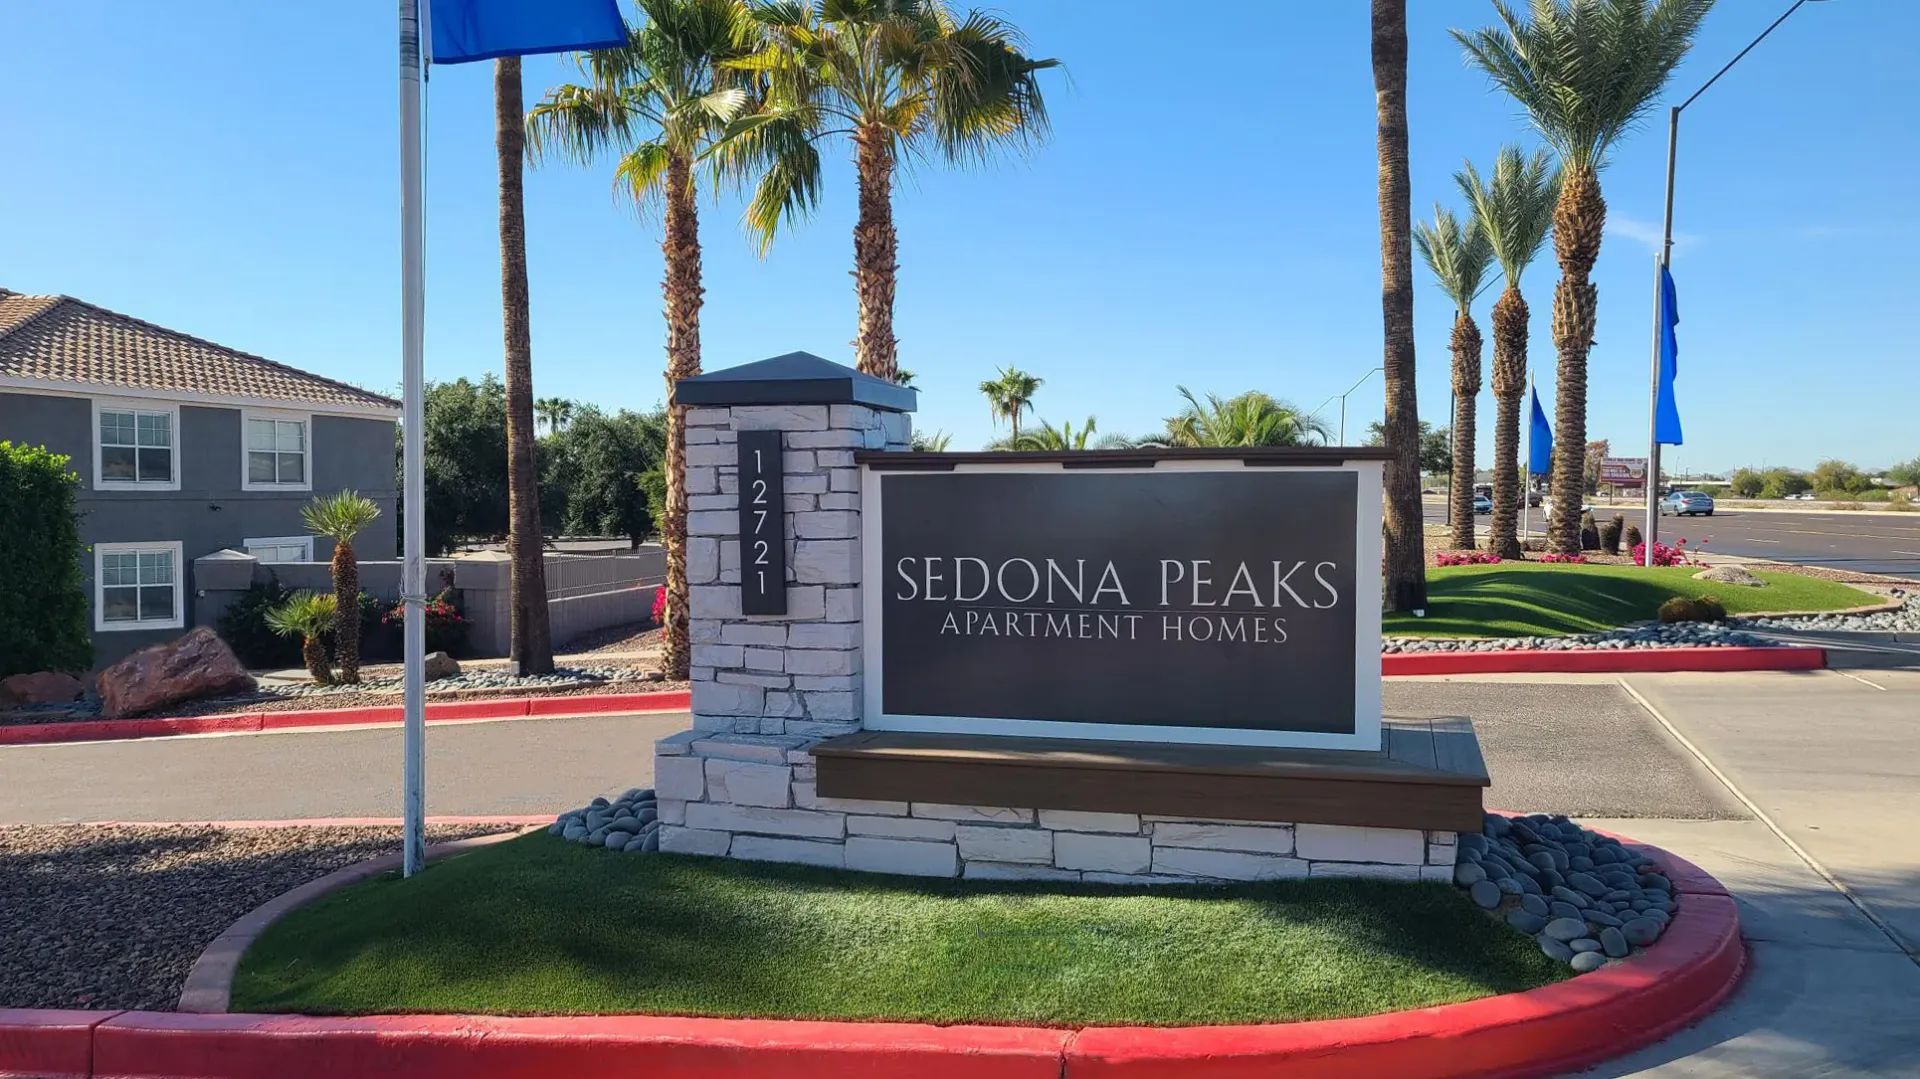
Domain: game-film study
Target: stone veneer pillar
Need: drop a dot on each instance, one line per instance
(740, 783)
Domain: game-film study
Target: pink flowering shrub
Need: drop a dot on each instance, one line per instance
(1570, 558)
(1674, 554)
(660, 606)
(1466, 558)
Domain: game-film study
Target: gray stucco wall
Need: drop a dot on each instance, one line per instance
(210, 511)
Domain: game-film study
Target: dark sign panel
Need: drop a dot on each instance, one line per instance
(1219, 599)
(763, 540)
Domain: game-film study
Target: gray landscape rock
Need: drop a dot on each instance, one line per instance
(1587, 883)
(1565, 929)
(1466, 874)
(616, 840)
(1584, 944)
(1595, 917)
(1555, 949)
(1568, 895)
(1614, 943)
(1641, 931)
(1739, 575)
(1559, 909)
(1485, 893)
(1526, 921)
(1508, 886)
(439, 665)
(1533, 904)
(1588, 961)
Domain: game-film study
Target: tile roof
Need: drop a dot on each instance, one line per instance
(61, 339)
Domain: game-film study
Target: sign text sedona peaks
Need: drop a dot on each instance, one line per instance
(1040, 598)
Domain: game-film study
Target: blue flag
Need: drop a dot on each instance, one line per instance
(1666, 415)
(468, 30)
(1540, 448)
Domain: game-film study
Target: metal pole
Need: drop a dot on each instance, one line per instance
(1343, 419)
(1526, 485)
(413, 392)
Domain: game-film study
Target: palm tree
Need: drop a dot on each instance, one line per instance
(1459, 255)
(530, 635)
(1406, 557)
(937, 442)
(1514, 209)
(1252, 418)
(554, 412)
(308, 616)
(901, 78)
(340, 517)
(1063, 437)
(660, 103)
(1010, 395)
(1585, 71)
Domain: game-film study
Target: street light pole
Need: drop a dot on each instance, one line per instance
(1343, 402)
(1662, 261)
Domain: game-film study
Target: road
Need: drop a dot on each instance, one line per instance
(1869, 542)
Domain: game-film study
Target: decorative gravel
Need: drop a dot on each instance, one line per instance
(1904, 620)
(629, 823)
(114, 916)
(1652, 635)
(476, 677)
(1585, 898)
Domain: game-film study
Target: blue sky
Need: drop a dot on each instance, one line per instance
(1204, 215)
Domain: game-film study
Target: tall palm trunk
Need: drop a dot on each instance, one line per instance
(684, 294)
(1578, 219)
(1466, 387)
(1406, 568)
(531, 641)
(1509, 386)
(875, 266)
(346, 612)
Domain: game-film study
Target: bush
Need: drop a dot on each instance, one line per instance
(1633, 539)
(1589, 533)
(1674, 554)
(447, 628)
(1748, 483)
(1692, 609)
(244, 627)
(1574, 559)
(1878, 494)
(1610, 533)
(1466, 558)
(660, 606)
(43, 591)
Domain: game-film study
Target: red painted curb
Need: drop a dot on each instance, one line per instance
(47, 1043)
(1606, 660)
(100, 730)
(164, 1045)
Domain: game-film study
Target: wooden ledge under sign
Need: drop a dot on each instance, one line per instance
(1430, 775)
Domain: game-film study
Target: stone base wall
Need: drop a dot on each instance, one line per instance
(752, 796)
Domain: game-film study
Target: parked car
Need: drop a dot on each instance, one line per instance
(1686, 504)
(1482, 504)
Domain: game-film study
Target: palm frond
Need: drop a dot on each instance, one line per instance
(1585, 71)
(339, 516)
(1457, 253)
(1252, 418)
(1514, 207)
(303, 614)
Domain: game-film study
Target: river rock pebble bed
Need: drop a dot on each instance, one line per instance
(629, 823)
(1584, 897)
(1651, 635)
(114, 916)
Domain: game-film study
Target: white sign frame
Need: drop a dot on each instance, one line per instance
(1367, 547)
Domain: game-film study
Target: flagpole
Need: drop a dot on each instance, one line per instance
(1653, 423)
(413, 482)
(1526, 486)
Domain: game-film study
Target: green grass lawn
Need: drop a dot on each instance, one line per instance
(1519, 599)
(540, 926)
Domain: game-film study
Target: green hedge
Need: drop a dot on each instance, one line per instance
(43, 593)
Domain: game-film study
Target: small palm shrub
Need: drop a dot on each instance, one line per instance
(340, 517)
(308, 616)
(1633, 538)
(1692, 609)
(1610, 533)
(1589, 532)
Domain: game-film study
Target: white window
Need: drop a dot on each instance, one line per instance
(275, 451)
(282, 549)
(135, 446)
(136, 586)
